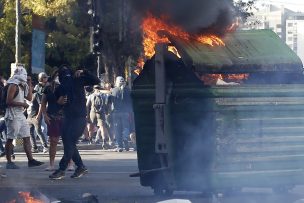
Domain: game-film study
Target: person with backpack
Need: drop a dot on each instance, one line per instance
(121, 113)
(97, 108)
(93, 118)
(19, 88)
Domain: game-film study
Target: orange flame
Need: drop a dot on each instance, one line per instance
(140, 65)
(27, 198)
(152, 25)
(211, 79)
(211, 40)
(236, 77)
(234, 25)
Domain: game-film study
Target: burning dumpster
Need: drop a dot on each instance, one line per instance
(217, 117)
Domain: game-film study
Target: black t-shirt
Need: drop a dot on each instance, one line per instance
(53, 108)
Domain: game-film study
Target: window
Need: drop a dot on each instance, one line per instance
(290, 24)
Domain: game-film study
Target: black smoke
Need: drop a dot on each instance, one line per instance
(194, 16)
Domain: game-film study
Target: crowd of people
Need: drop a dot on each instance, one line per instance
(66, 105)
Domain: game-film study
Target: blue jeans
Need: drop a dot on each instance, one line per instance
(121, 127)
(72, 131)
(35, 127)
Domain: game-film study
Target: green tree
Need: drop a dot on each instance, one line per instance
(66, 27)
(68, 38)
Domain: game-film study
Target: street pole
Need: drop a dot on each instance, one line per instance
(98, 65)
(17, 34)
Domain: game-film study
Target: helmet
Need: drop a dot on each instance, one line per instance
(119, 81)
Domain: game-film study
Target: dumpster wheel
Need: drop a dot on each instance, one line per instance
(162, 192)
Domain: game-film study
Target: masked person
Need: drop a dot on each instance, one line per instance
(74, 111)
(121, 112)
(19, 89)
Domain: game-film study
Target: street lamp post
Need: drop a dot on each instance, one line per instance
(17, 34)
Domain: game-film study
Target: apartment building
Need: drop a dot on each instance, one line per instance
(288, 25)
(295, 34)
(271, 17)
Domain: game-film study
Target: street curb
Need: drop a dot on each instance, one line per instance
(60, 147)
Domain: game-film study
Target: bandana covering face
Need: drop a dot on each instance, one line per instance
(120, 82)
(19, 77)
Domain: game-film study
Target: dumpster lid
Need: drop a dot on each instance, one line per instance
(245, 51)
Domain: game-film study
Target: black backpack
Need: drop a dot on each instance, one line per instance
(3, 96)
(98, 103)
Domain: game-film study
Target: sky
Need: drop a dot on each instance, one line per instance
(296, 5)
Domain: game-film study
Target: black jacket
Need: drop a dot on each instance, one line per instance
(76, 105)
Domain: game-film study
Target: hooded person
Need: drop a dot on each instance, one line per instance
(19, 89)
(74, 112)
(121, 113)
(120, 82)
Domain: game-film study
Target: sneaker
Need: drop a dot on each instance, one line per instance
(57, 175)
(80, 171)
(3, 175)
(118, 149)
(45, 150)
(105, 146)
(84, 140)
(33, 163)
(11, 165)
(35, 150)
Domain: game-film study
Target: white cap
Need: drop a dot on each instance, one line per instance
(42, 75)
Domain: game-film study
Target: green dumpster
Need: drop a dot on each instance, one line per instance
(221, 137)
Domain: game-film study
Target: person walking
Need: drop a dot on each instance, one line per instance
(72, 89)
(34, 120)
(51, 109)
(97, 109)
(19, 89)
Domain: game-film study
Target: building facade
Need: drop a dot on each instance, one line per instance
(295, 34)
(288, 25)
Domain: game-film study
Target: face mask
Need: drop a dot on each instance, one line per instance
(65, 74)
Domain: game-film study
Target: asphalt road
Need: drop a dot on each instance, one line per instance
(108, 179)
